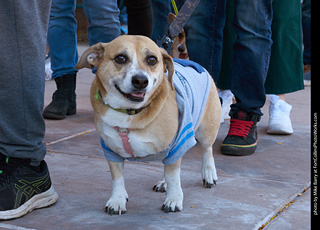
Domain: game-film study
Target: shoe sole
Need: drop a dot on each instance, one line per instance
(238, 150)
(279, 131)
(41, 200)
(55, 116)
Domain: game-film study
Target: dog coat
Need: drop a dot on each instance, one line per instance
(192, 83)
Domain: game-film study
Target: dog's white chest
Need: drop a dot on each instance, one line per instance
(128, 142)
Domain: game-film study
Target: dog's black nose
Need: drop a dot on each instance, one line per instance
(181, 48)
(140, 81)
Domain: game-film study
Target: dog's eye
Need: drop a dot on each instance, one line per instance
(180, 35)
(152, 60)
(121, 59)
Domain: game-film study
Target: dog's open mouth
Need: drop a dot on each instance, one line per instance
(134, 96)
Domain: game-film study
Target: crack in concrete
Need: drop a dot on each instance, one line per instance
(272, 216)
(70, 137)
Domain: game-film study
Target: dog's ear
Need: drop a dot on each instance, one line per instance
(168, 65)
(91, 57)
(171, 17)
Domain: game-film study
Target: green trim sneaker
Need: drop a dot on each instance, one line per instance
(242, 137)
(23, 188)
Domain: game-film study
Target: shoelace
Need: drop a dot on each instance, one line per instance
(239, 127)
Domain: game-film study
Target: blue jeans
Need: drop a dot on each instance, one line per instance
(204, 32)
(161, 10)
(103, 16)
(251, 54)
(252, 49)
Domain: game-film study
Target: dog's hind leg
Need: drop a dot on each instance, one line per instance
(206, 134)
(209, 172)
(161, 186)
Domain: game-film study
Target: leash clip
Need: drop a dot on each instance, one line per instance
(165, 42)
(122, 130)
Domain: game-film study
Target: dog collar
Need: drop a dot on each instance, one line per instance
(98, 96)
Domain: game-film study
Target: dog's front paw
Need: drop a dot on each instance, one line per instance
(209, 175)
(171, 205)
(161, 186)
(173, 202)
(116, 205)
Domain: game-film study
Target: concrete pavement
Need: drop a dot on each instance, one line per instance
(250, 191)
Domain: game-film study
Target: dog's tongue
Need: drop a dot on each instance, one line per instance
(137, 94)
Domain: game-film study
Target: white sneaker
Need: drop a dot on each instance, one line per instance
(226, 97)
(48, 71)
(279, 116)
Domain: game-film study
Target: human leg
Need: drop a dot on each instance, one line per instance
(24, 177)
(204, 31)
(251, 55)
(306, 25)
(223, 83)
(22, 80)
(140, 17)
(103, 17)
(62, 40)
(286, 63)
(229, 37)
(161, 10)
(285, 74)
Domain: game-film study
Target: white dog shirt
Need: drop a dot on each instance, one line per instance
(192, 83)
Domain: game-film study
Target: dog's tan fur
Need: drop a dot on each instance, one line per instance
(155, 126)
(179, 46)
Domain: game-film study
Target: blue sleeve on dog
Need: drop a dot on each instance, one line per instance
(109, 154)
(188, 63)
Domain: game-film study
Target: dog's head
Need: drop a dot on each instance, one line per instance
(179, 48)
(130, 68)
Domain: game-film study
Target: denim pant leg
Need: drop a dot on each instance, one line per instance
(62, 37)
(161, 10)
(103, 16)
(204, 32)
(251, 54)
